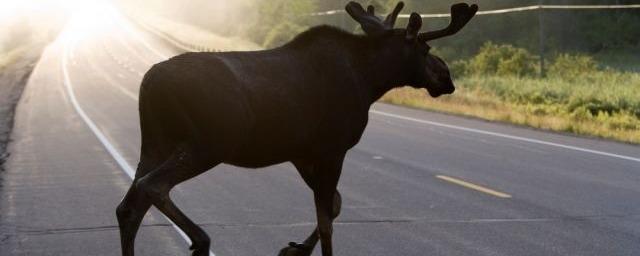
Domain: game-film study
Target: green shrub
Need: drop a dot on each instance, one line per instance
(280, 20)
(503, 60)
(459, 68)
(572, 66)
(602, 93)
(281, 33)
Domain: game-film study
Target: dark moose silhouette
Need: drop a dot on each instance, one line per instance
(306, 102)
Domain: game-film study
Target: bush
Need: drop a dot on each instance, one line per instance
(572, 66)
(281, 33)
(459, 68)
(280, 20)
(503, 60)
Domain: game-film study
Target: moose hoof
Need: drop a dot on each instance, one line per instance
(296, 249)
(200, 252)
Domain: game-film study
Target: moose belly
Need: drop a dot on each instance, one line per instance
(278, 144)
(272, 145)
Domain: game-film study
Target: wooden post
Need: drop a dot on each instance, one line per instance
(541, 37)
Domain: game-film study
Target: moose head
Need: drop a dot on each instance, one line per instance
(409, 46)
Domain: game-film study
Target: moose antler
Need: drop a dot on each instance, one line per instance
(371, 24)
(460, 14)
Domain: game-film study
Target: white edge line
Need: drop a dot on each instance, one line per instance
(103, 139)
(507, 136)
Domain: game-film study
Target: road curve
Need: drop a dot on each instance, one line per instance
(419, 183)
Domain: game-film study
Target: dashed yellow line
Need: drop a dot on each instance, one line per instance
(473, 186)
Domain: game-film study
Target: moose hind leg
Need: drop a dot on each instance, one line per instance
(157, 185)
(130, 213)
(133, 207)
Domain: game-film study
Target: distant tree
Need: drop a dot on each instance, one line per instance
(280, 20)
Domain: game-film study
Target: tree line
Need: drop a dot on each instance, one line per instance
(603, 32)
(273, 22)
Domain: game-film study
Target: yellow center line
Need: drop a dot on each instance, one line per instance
(473, 186)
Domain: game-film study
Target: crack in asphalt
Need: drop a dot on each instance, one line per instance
(37, 232)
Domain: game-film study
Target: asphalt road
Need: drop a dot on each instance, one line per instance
(419, 183)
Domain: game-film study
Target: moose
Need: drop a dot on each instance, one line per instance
(306, 102)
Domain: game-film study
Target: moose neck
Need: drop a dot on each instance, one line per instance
(380, 73)
(375, 74)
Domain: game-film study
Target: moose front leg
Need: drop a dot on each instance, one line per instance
(305, 248)
(324, 204)
(322, 176)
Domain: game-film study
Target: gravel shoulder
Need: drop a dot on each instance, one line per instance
(13, 79)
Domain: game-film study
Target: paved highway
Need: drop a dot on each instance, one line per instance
(419, 183)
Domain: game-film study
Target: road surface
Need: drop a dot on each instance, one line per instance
(419, 183)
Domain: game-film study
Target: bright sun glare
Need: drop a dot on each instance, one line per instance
(11, 8)
(85, 15)
(89, 16)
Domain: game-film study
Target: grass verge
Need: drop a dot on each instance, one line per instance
(16, 66)
(604, 104)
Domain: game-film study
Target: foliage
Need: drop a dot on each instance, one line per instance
(604, 104)
(591, 32)
(280, 20)
(571, 66)
(504, 60)
(601, 92)
(588, 32)
(606, 32)
(282, 33)
(576, 96)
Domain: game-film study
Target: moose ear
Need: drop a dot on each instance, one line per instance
(415, 23)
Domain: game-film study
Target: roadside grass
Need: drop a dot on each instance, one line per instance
(604, 104)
